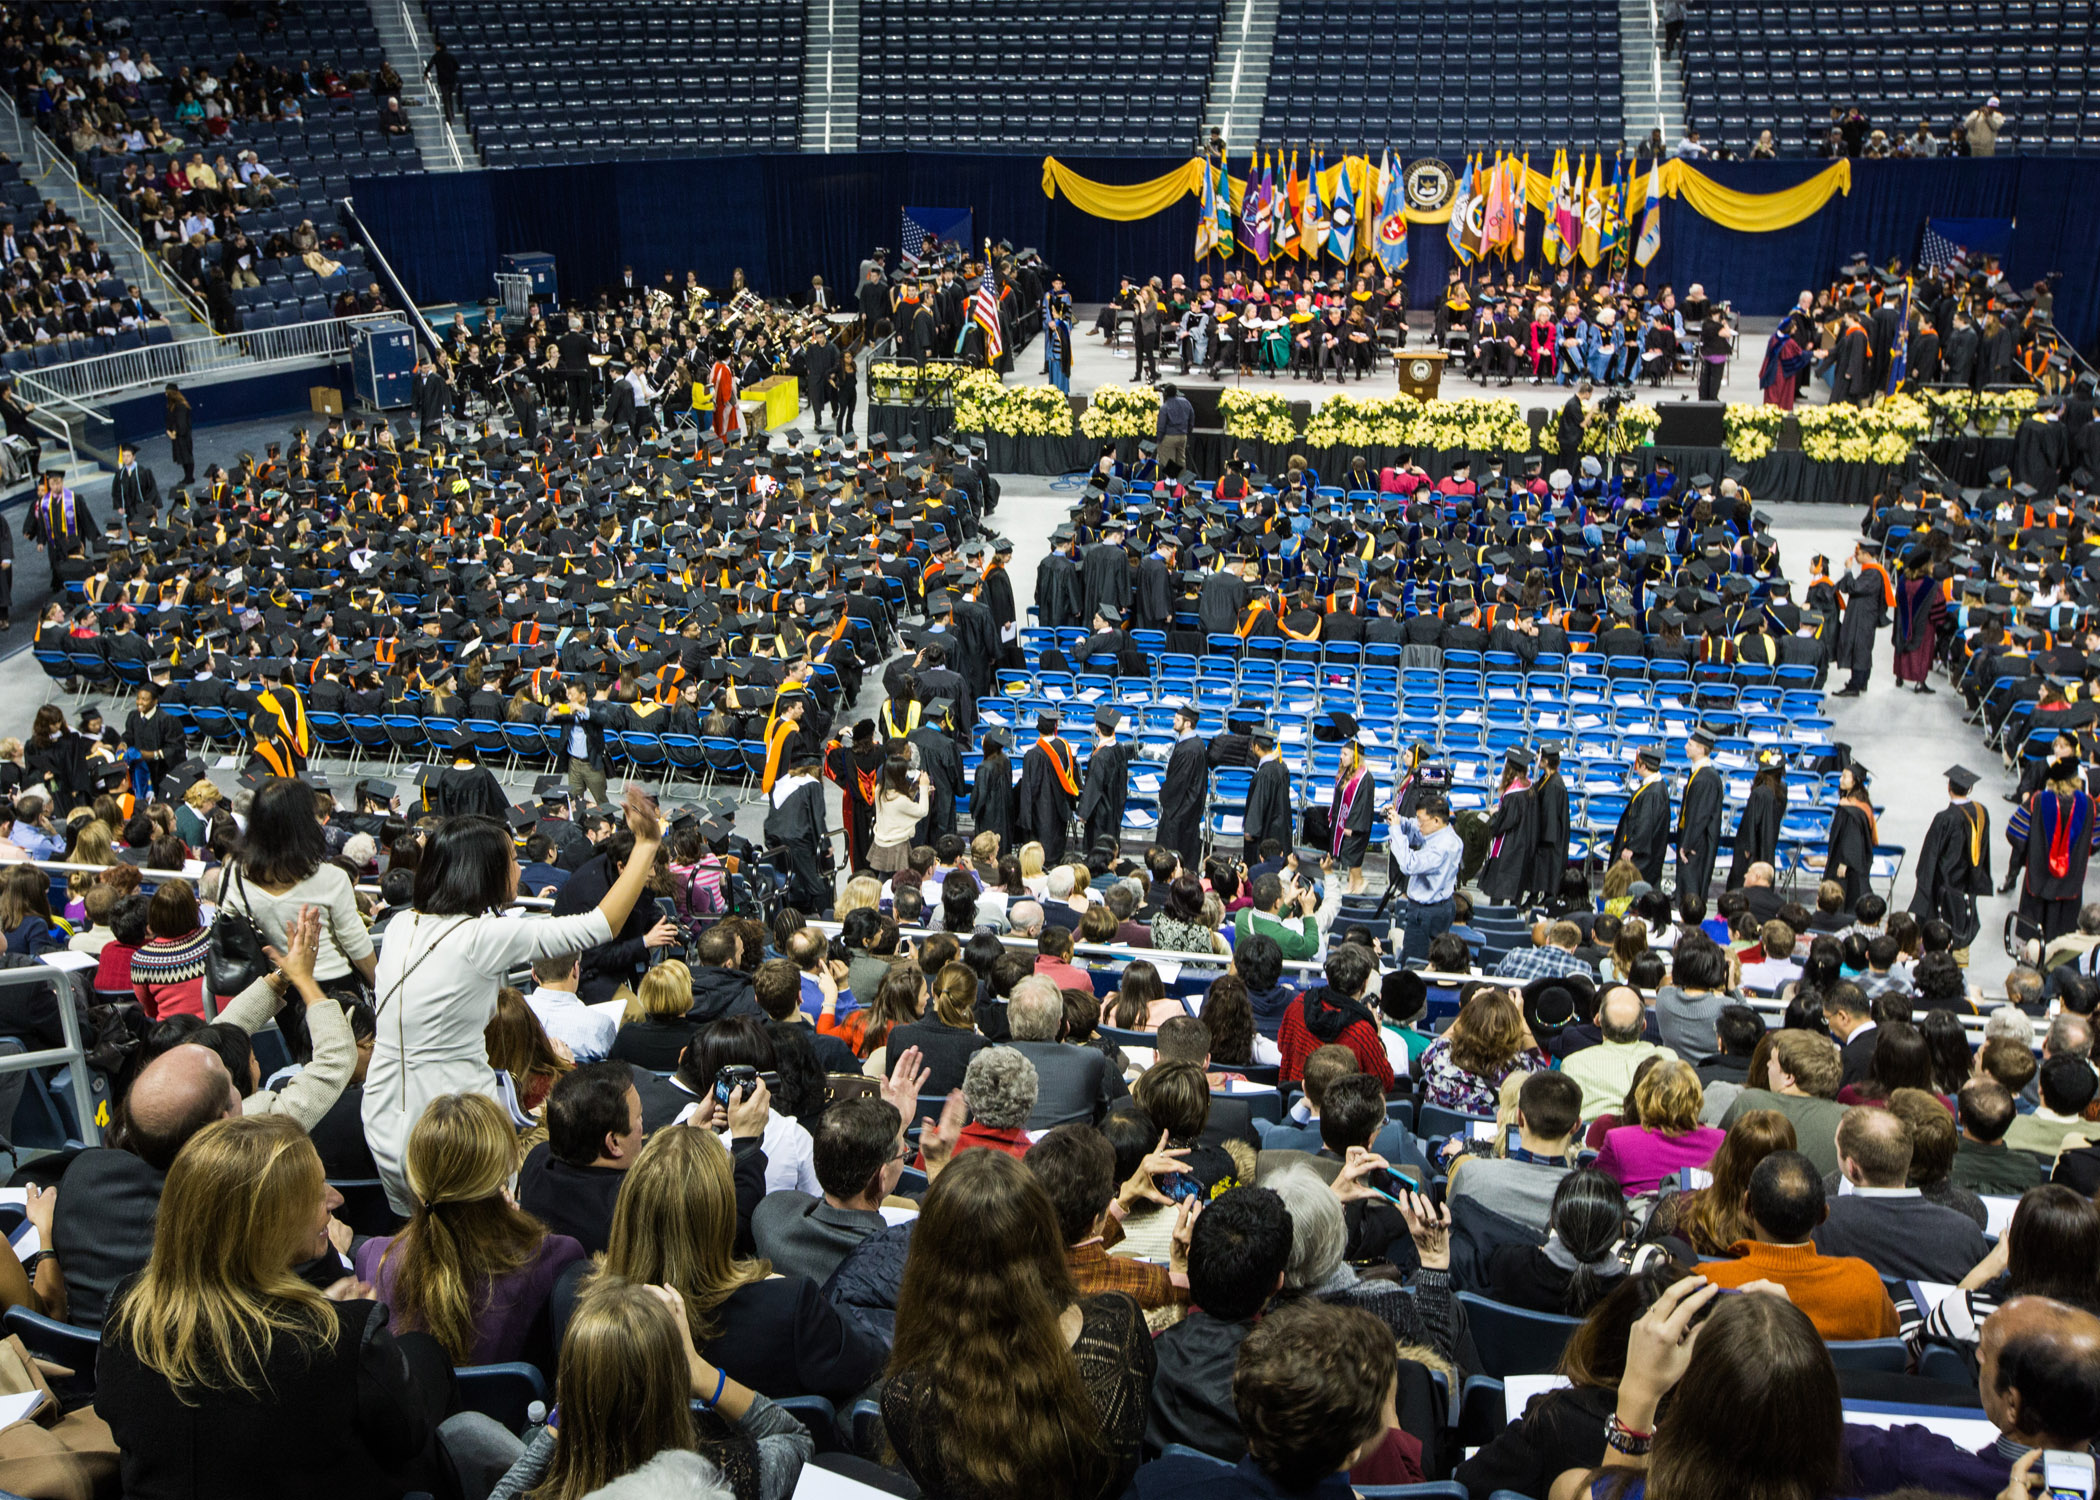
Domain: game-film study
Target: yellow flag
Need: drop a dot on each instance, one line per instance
(1593, 214)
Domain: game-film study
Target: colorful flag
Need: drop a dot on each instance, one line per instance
(1461, 204)
(1264, 198)
(1221, 214)
(1651, 219)
(1251, 221)
(1523, 205)
(1495, 223)
(1592, 212)
(1294, 205)
(1283, 229)
(1392, 219)
(1476, 209)
(1567, 210)
(1613, 227)
(1341, 219)
(1899, 359)
(984, 312)
(1549, 236)
(1312, 220)
(1207, 215)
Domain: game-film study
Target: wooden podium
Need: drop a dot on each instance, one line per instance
(1419, 371)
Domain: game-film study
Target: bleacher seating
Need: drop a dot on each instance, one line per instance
(1782, 66)
(563, 82)
(1135, 80)
(1434, 79)
(337, 139)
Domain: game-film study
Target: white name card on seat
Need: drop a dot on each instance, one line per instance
(66, 958)
(822, 1484)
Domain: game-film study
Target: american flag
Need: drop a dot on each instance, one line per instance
(1937, 252)
(984, 309)
(911, 240)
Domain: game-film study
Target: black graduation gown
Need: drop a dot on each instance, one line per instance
(1756, 835)
(1852, 846)
(1057, 596)
(1104, 578)
(1853, 378)
(1044, 814)
(999, 598)
(846, 767)
(460, 790)
(942, 763)
(1155, 594)
(2040, 447)
(1269, 813)
(1550, 861)
(795, 825)
(992, 800)
(1954, 868)
(1222, 603)
(1699, 830)
(1102, 795)
(1507, 874)
(1184, 798)
(161, 733)
(1866, 601)
(1644, 829)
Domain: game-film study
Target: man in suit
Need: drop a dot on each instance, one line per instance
(1073, 1084)
(820, 367)
(1891, 1227)
(574, 349)
(858, 1152)
(102, 1229)
(133, 490)
(1851, 1018)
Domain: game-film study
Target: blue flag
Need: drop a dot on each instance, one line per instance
(1899, 358)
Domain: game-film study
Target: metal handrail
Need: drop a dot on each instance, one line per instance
(415, 41)
(72, 1056)
(104, 375)
(108, 224)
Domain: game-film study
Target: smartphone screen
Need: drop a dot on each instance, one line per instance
(2067, 1475)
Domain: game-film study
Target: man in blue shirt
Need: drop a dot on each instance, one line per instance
(1427, 850)
(539, 875)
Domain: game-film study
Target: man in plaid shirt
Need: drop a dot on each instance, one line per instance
(1077, 1168)
(1551, 959)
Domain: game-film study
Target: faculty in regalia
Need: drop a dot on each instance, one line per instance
(1954, 866)
(857, 769)
(2052, 839)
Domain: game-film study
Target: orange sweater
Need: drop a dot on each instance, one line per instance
(1842, 1295)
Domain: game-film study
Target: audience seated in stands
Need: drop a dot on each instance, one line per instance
(1077, 1167)
(1519, 1183)
(2067, 1086)
(1668, 1138)
(1606, 1070)
(1884, 1221)
(1786, 1207)
(570, 1181)
(1579, 1263)
(1463, 1069)
(1804, 1073)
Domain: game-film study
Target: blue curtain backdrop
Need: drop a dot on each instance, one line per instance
(785, 218)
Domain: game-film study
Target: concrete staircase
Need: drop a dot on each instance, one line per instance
(404, 33)
(1652, 85)
(1239, 80)
(831, 75)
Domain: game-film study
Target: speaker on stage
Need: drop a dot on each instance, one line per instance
(1690, 424)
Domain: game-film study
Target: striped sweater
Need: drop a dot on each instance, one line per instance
(168, 975)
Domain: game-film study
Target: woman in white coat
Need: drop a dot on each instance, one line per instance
(441, 965)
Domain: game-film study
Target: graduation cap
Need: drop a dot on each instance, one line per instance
(1518, 756)
(1961, 779)
(1649, 755)
(1701, 735)
(1107, 719)
(1263, 734)
(1345, 727)
(996, 738)
(1047, 721)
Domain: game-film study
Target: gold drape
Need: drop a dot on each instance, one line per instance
(1755, 213)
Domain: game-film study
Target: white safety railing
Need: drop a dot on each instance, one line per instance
(156, 364)
(104, 222)
(423, 50)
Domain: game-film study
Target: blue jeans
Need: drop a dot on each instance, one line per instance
(1420, 923)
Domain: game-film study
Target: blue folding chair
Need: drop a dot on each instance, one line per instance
(505, 1392)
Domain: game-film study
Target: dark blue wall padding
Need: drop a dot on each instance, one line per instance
(784, 218)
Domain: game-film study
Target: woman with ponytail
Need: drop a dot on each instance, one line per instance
(471, 1269)
(1579, 1262)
